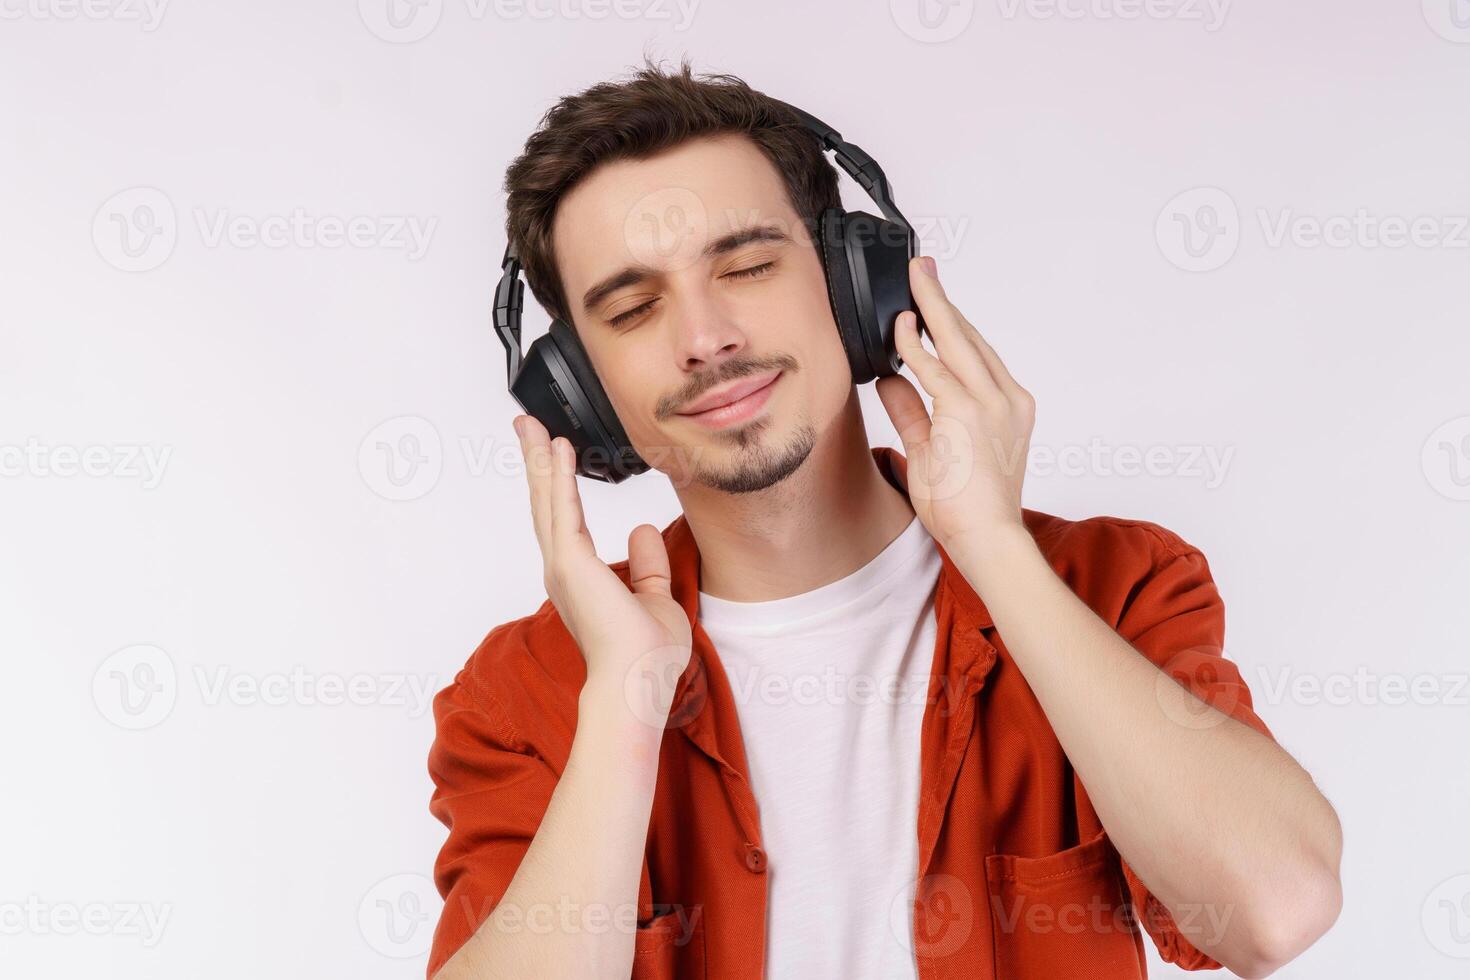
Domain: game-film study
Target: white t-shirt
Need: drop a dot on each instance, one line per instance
(829, 688)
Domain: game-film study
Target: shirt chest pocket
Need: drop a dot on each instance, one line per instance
(670, 946)
(1063, 915)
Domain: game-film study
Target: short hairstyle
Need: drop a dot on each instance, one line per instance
(651, 111)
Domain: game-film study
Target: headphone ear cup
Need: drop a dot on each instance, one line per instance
(613, 444)
(558, 386)
(878, 253)
(833, 244)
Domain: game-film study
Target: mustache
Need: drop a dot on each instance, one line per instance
(726, 372)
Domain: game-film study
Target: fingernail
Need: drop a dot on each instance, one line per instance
(926, 262)
(520, 425)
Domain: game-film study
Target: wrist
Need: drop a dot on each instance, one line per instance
(637, 699)
(992, 553)
(615, 730)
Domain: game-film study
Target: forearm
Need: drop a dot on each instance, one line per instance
(1214, 816)
(571, 908)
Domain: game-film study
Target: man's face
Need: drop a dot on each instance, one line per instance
(690, 280)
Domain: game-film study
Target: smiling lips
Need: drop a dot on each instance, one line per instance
(734, 403)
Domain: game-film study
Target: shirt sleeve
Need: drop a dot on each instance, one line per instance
(1176, 618)
(491, 789)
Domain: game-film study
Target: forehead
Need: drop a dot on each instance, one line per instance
(659, 211)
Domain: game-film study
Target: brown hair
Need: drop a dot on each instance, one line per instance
(637, 118)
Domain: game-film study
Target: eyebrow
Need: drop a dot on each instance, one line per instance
(634, 274)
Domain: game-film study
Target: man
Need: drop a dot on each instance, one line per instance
(855, 713)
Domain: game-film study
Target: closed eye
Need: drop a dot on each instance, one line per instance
(628, 315)
(752, 272)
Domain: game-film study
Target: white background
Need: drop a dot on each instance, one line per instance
(284, 836)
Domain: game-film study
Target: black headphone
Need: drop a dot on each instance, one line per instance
(866, 263)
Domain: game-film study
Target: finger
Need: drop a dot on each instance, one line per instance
(568, 525)
(999, 374)
(997, 367)
(648, 561)
(947, 328)
(938, 380)
(534, 454)
(906, 409)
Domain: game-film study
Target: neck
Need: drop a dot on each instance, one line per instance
(823, 522)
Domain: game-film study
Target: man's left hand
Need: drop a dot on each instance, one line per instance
(966, 464)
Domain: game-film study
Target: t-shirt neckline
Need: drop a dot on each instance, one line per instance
(856, 587)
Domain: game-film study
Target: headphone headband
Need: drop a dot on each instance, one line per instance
(859, 166)
(510, 296)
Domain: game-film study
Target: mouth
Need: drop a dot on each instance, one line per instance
(737, 403)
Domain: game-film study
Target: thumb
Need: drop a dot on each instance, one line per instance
(648, 561)
(906, 409)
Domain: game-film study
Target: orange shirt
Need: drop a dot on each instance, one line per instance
(1016, 876)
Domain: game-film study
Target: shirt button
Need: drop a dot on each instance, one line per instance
(755, 858)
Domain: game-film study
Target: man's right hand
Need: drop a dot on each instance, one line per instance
(588, 849)
(619, 630)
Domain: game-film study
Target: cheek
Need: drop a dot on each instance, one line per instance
(803, 326)
(821, 342)
(627, 381)
(804, 311)
(643, 377)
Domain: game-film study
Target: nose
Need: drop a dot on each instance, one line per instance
(706, 332)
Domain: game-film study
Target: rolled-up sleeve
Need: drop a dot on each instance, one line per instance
(491, 789)
(1176, 617)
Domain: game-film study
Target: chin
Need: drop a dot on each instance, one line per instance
(751, 457)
